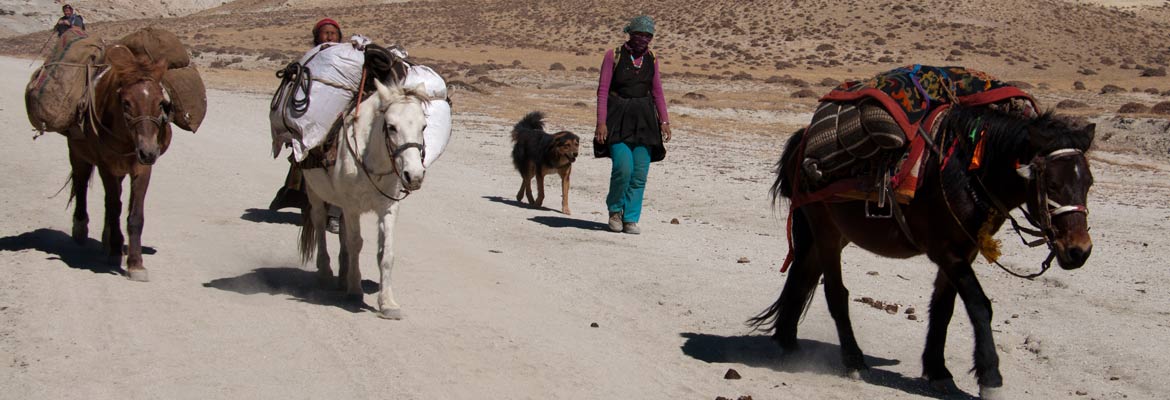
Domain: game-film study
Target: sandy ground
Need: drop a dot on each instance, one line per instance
(499, 297)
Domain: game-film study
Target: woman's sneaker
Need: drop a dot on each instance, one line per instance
(632, 228)
(615, 221)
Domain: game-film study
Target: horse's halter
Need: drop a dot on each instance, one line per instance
(1037, 172)
(395, 150)
(160, 121)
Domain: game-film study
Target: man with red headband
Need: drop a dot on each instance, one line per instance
(292, 194)
(326, 31)
(69, 20)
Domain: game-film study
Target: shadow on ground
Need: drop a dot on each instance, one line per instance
(513, 203)
(297, 283)
(267, 216)
(59, 245)
(813, 357)
(563, 222)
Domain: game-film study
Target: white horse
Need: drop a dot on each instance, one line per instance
(379, 161)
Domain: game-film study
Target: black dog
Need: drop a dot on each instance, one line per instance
(536, 153)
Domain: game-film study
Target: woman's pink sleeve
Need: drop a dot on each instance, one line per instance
(659, 98)
(603, 86)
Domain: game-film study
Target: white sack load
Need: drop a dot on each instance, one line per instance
(438, 132)
(336, 72)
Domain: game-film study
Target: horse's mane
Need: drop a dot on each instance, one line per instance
(1007, 137)
(130, 71)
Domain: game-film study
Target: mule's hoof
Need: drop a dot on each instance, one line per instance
(566, 212)
(991, 393)
(138, 275)
(392, 314)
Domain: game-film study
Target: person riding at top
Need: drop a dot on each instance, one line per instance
(69, 20)
(292, 194)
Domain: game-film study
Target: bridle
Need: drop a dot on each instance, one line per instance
(1042, 227)
(160, 121)
(395, 150)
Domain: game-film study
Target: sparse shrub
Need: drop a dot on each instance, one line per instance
(1162, 108)
(695, 96)
(804, 94)
(1078, 85)
(1020, 84)
(742, 76)
(830, 82)
(1067, 104)
(1133, 108)
(1154, 72)
(1108, 89)
(556, 67)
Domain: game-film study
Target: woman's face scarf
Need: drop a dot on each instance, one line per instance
(638, 44)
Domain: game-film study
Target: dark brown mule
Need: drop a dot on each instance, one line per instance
(125, 134)
(951, 206)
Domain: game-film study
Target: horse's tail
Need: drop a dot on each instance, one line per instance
(309, 236)
(766, 320)
(787, 167)
(534, 121)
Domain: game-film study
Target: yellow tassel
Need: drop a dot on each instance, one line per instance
(988, 246)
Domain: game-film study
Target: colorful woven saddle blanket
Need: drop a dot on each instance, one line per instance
(917, 96)
(912, 92)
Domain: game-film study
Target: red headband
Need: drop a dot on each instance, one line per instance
(326, 21)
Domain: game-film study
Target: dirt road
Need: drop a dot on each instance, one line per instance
(499, 298)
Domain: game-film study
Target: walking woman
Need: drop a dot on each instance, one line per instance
(632, 123)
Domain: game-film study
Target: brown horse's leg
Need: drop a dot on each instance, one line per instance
(112, 238)
(82, 172)
(139, 183)
(803, 275)
(979, 311)
(942, 307)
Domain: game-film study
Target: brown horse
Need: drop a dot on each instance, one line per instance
(952, 205)
(124, 133)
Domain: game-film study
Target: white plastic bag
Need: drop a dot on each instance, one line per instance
(438, 132)
(336, 71)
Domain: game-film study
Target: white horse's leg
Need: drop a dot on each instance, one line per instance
(316, 219)
(353, 250)
(387, 307)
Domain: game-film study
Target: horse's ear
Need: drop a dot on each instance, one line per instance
(160, 68)
(1090, 131)
(383, 92)
(119, 55)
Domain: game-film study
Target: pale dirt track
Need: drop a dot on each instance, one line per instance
(499, 298)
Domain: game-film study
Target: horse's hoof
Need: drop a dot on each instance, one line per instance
(944, 386)
(392, 314)
(80, 234)
(991, 393)
(138, 275)
(566, 212)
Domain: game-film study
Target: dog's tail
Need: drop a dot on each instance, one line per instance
(534, 121)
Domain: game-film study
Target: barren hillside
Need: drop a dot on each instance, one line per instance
(759, 38)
